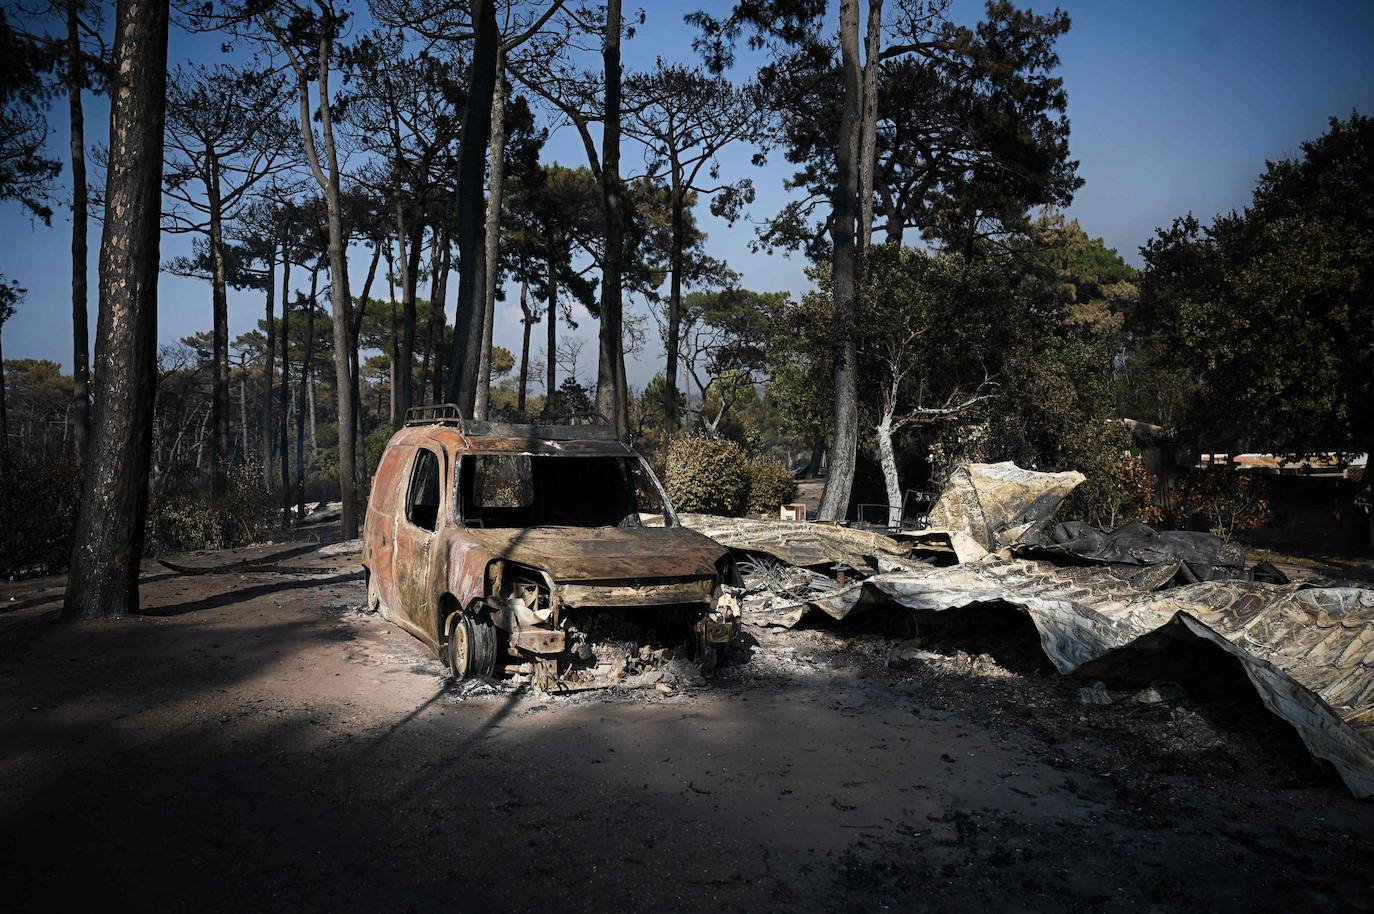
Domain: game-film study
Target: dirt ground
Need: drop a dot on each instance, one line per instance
(255, 741)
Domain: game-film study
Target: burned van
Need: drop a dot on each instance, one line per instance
(524, 549)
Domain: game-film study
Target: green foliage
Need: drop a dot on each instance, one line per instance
(26, 173)
(502, 361)
(770, 485)
(1089, 281)
(571, 400)
(374, 443)
(931, 331)
(708, 476)
(1058, 414)
(801, 354)
(1119, 487)
(187, 518)
(1230, 501)
(1270, 312)
(971, 131)
(39, 501)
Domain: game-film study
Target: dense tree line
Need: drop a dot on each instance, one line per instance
(954, 313)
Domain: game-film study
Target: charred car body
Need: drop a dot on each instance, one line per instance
(521, 547)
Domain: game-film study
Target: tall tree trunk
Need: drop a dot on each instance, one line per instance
(527, 321)
(465, 354)
(81, 344)
(887, 456)
(243, 411)
(844, 269)
(108, 542)
(338, 268)
(813, 463)
(285, 443)
(219, 296)
(551, 334)
(481, 408)
(611, 392)
(435, 308)
(395, 366)
(410, 278)
(670, 418)
(439, 318)
(355, 376)
(269, 357)
(4, 418)
(896, 226)
(307, 366)
(314, 438)
(868, 130)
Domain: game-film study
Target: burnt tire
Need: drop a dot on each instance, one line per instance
(374, 598)
(471, 647)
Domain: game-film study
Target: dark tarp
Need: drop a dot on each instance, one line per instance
(1135, 546)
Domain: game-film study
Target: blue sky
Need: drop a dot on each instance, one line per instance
(1175, 107)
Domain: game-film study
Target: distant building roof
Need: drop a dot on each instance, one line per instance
(1329, 464)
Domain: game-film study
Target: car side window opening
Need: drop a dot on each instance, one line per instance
(534, 490)
(422, 500)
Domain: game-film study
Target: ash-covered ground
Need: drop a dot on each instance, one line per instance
(254, 740)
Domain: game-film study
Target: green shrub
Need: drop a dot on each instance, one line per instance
(708, 476)
(187, 519)
(1230, 501)
(374, 444)
(39, 501)
(770, 485)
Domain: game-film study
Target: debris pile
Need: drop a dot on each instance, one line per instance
(1307, 652)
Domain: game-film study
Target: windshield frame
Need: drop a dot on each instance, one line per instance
(669, 515)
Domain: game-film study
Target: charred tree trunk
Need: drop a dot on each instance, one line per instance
(4, 418)
(551, 332)
(355, 376)
(435, 308)
(410, 278)
(306, 368)
(844, 270)
(481, 408)
(285, 392)
(670, 418)
(269, 356)
(243, 411)
(813, 463)
(108, 543)
(394, 367)
(465, 353)
(440, 319)
(326, 175)
(219, 296)
(868, 130)
(611, 392)
(527, 321)
(81, 344)
(314, 438)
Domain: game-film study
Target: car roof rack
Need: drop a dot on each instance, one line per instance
(450, 414)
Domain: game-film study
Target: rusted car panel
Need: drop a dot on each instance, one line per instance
(601, 554)
(521, 546)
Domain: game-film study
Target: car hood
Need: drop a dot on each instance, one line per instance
(604, 553)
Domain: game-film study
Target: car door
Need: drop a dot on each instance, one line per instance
(417, 529)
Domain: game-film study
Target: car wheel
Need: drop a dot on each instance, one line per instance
(471, 648)
(458, 651)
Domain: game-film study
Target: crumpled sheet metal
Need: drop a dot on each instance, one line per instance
(1206, 556)
(1308, 652)
(806, 545)
(996, 503)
